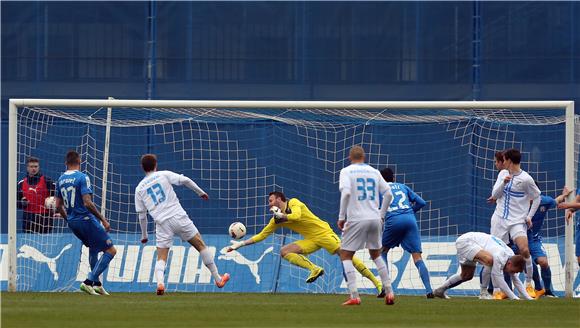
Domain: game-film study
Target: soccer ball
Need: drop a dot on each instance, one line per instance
(237, 230)
(50, 203)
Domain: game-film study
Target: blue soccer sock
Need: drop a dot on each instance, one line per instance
(93, 259)
(424, 273)
(102, 264)
(547, 278)
(536, 277)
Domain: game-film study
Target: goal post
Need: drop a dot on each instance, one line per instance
(312, 127)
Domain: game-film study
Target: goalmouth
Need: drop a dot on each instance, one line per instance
(310, 118)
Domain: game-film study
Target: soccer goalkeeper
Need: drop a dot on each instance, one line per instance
(294, 215)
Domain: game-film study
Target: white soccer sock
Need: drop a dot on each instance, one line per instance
(529, 270)
(454, 279)
(485, 278)
(384, 273)
(160, 271)
(349, 272)
(207, 259)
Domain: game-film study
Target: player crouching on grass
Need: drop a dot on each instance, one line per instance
(155, 195)
(295, 215)
(494, 255)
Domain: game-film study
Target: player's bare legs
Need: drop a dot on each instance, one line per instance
(522, 243)
(365, 272)
(162, 254)
(207, 259)
(467, 271)
(384, 273)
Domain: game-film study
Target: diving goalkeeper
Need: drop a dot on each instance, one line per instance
(294, 215)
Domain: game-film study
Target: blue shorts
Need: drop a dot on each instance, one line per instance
(91, 233)
(536, 248)
(402, 230)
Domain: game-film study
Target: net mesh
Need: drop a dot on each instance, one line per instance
(238, 156)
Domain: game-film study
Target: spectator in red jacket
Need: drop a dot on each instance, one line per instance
(32, 192)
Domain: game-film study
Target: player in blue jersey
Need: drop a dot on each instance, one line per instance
(401, 225)
(537, 250)
(571, 208)
(75, 204)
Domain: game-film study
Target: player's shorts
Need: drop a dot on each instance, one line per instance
(361, 234)
(402, 230)
(506, 230)
(467, 249)
(181, 226)
(535, 246)
(91, 233)
(330, 242)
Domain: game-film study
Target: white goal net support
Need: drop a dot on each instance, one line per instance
(240, 151)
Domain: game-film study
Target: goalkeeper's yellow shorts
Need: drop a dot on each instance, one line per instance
(330, 242)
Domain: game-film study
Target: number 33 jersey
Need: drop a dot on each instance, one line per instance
(155, 195)
(365, 185)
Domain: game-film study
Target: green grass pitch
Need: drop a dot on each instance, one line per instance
(276, 310)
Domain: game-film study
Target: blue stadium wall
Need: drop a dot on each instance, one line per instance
(285, 50)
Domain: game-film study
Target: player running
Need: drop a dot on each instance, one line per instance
(513, 191)
(295, 215)
(74, 202)
(494, 255)
(401, 228)
(155, 195)
(360, 189)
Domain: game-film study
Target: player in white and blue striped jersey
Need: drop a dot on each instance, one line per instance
(74, 203)
(401, 228)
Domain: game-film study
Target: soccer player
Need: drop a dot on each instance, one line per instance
(155, 195)
(295, 215)
(494, 255)
(571, 208)
(400, 226)
(360, 188)
(74, 202)
(513, 191)
(537, 250)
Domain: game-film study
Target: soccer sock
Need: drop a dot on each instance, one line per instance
(485, 278)
(547, 278)
(424, 273)
(350, 278)
(536, 277)
(299, 260)
(160, 271)
(452, 281)
(207, 259)
(529, 270)
(364, 271)
(101, 265)
(384, 273)
(93, 259)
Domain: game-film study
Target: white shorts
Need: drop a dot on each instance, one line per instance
(506, 230)
(361, 234)
(466, 249)
(181, 226)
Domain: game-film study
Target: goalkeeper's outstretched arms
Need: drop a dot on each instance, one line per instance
(268, 230)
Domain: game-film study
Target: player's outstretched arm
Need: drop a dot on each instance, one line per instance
(268, 230)
(499, 282)
(520, 287)
(88, 202)
(180, 179)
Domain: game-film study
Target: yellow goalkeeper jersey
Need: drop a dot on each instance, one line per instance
(300, 220)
